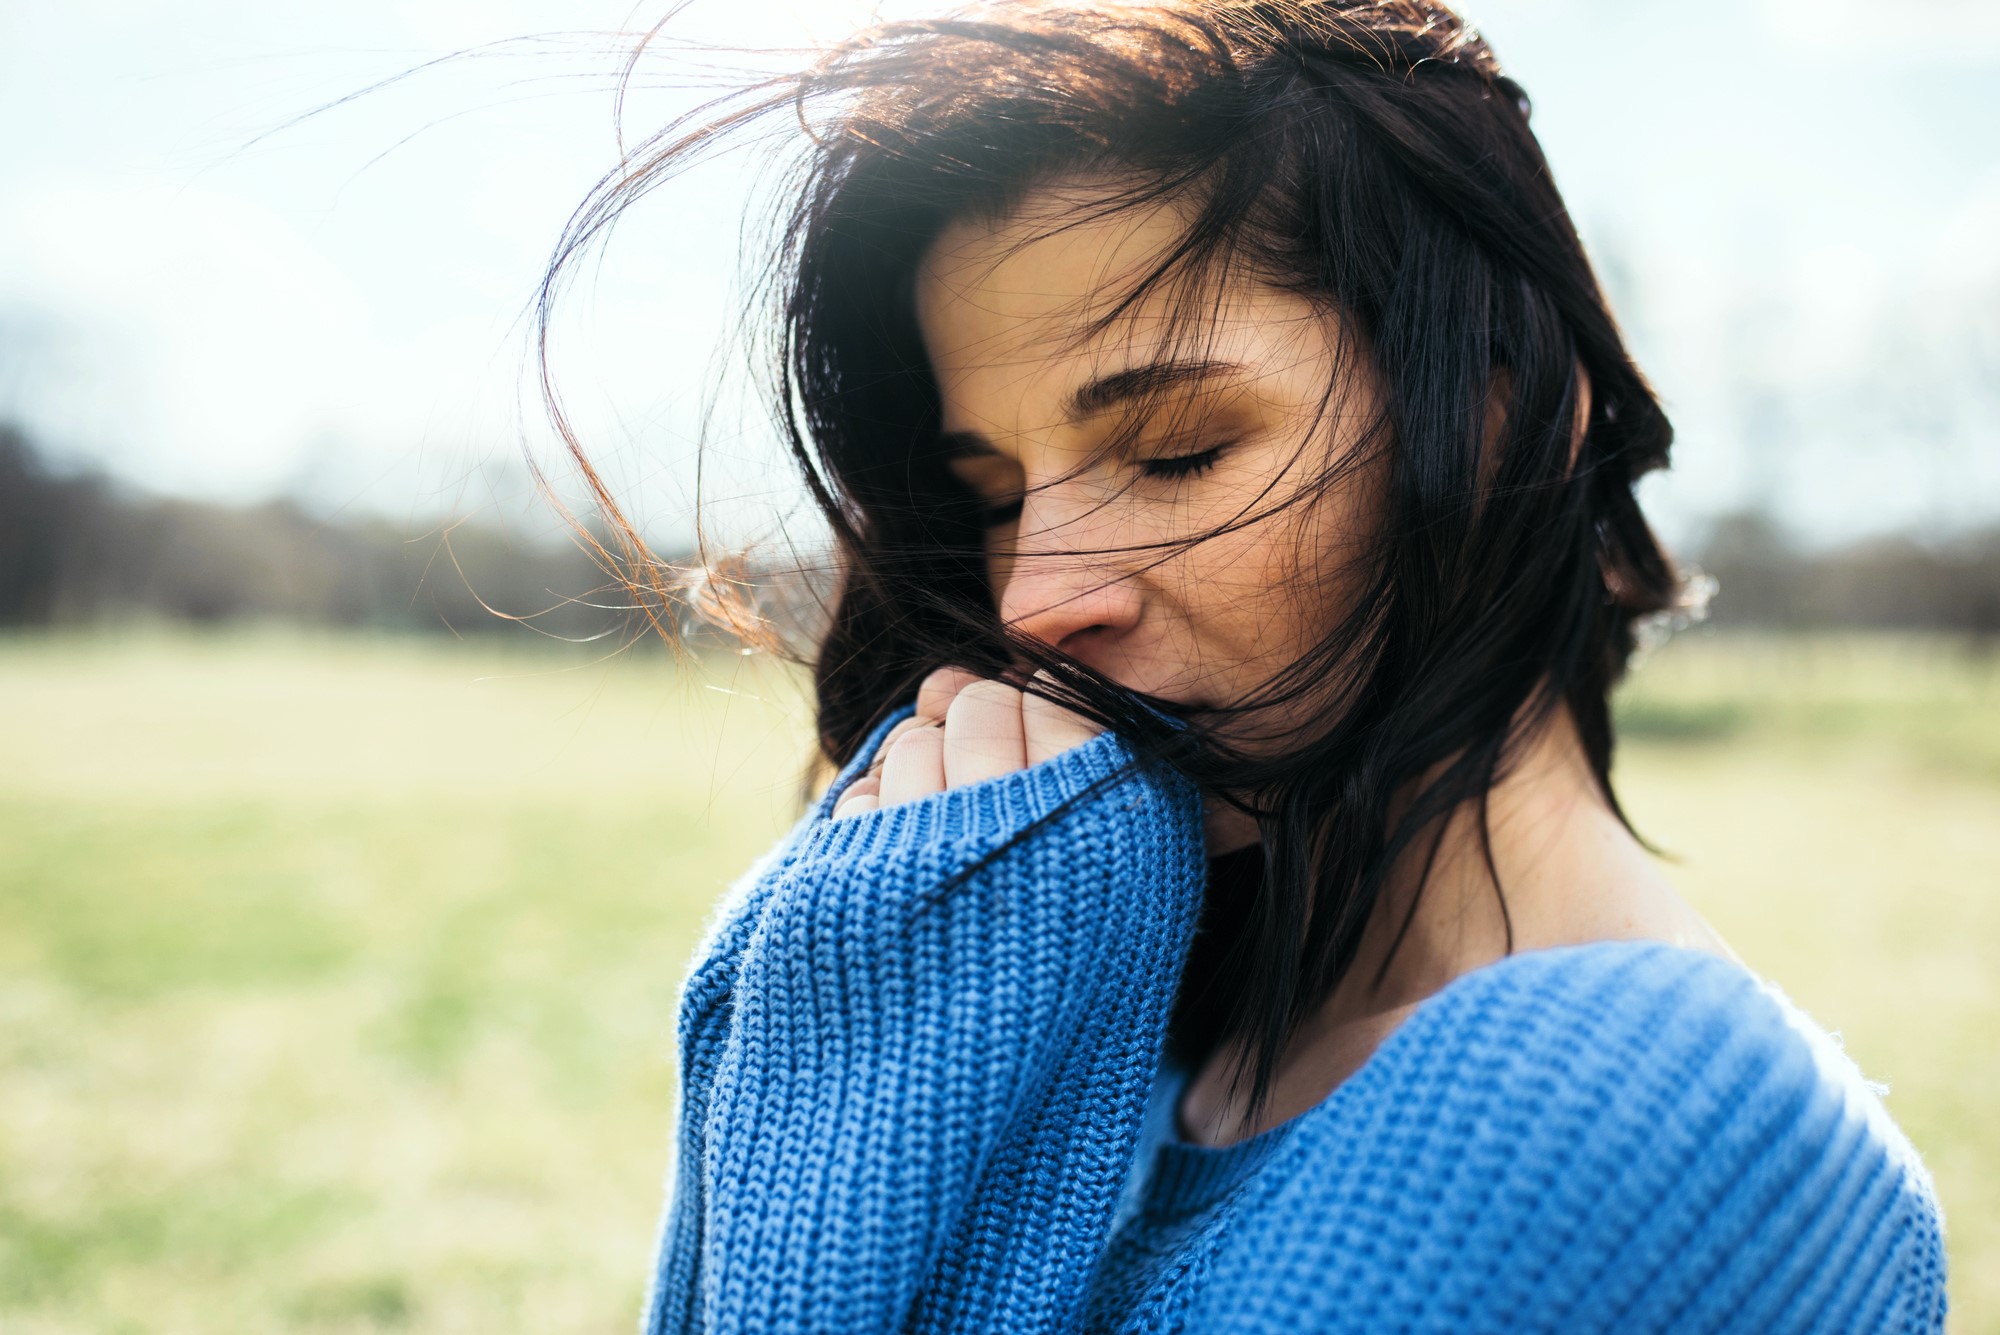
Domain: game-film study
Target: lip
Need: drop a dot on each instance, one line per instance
(1177, 704)
(1182, 712)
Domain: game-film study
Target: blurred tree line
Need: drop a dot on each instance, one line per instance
(74, 549)
(77, 549)
(1894, 582)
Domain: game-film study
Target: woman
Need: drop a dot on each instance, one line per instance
(1221, 918)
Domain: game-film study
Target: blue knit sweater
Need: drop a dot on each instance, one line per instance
(922, 1090)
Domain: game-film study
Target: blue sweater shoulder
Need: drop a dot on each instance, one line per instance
(916, 1049)
(1623, 1136)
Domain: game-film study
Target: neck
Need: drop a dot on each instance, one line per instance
(1563, 870)
(1568, 872)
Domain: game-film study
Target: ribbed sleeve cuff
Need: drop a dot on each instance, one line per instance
(939, 1040)
(991, 810)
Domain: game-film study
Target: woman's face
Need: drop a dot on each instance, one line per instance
(1099, 454)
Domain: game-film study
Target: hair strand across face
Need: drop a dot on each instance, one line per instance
(1366, 155)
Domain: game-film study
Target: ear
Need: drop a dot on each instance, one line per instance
(1499, 402)
(1500, 398)
(1580, 425)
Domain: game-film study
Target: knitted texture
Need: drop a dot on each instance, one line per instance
(1623, 1136)
(917, 1057)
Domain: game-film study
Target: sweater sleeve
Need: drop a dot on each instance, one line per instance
(915, 1061)
(1640, 1139)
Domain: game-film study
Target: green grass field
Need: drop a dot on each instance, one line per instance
(337, 975)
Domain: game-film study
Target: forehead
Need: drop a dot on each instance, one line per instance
(1047, 265)
(1008, 306)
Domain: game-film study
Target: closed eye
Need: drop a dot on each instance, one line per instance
(1182, 465)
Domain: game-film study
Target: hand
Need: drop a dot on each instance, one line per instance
(966, 728)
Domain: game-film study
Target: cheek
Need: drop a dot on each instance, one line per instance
(1335, 538)
(1242, 595)
(1266, 593)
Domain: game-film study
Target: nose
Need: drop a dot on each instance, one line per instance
(1059, 586)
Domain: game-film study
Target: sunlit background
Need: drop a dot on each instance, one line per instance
(342, 915)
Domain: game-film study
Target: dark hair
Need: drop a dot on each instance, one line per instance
(1369, 154)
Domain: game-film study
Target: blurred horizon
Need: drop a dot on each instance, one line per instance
(210, 298)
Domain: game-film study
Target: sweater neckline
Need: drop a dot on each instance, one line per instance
(1185, 1177)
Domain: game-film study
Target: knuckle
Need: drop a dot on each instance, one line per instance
(939, 687)
(913, 740)
(983, 709)
(1048, 717)
(1043, 706)
(985, 693)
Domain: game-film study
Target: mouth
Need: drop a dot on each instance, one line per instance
(1183, 712)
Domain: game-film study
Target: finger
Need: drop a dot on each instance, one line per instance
(982, 734)
(1049, 729)
(915, 767)
(853, 804)
(869, 783)
(935, 695)
(910, 724)
(873, 774)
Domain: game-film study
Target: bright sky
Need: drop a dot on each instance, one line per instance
(1796, 209)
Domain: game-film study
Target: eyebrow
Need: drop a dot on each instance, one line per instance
(1138, 381)
(1107, 392)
